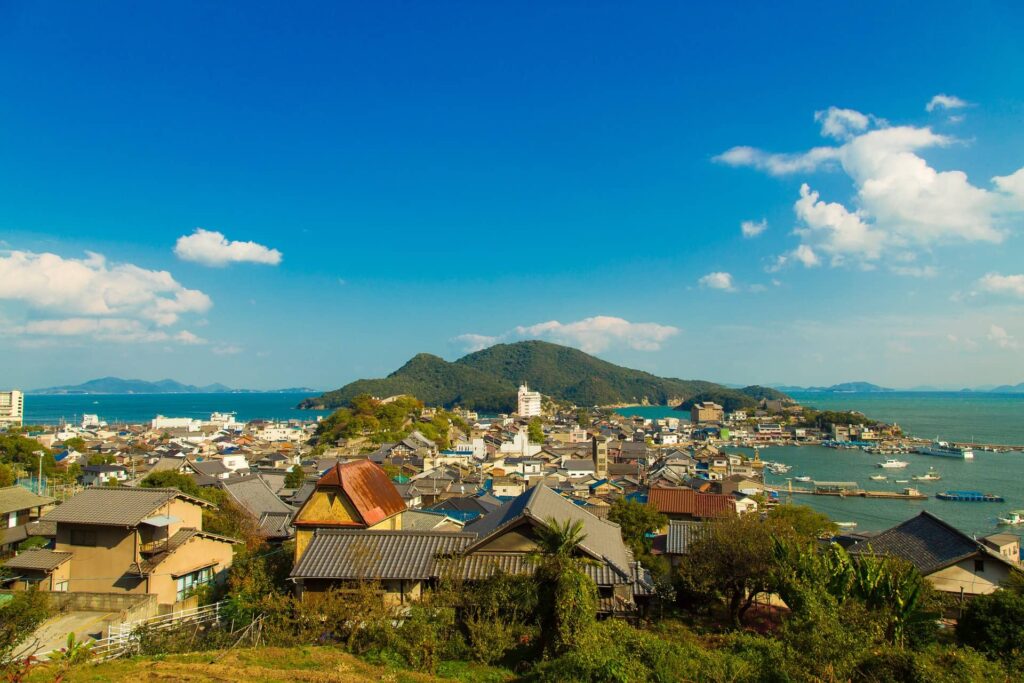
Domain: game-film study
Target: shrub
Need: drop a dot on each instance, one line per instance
(994, 624)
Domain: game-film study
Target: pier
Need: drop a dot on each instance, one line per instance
(850, 490)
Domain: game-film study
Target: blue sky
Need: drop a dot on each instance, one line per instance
(272, 196)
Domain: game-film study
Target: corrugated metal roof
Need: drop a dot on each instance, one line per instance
(13, 498)
(38, 559)
(685, 501)
(680, 535)
(367, 487)
(115, 506)
(483, 565)
(345, 554)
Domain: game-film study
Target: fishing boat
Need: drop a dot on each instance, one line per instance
(930, 475)
(902, 481)
(945, 449)
(804, 479)
(893, 464)
(878, 477)
(846, 525)
(970, 497)
(1012, 518)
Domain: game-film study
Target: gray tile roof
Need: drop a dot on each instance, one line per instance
(483, 565)
(276, 524)
(115, 506)
(38, 559)
(581, 465)
(13, 498)
(925, 541)
(255, 495)
(680, 534)
(602, 540)
(349, 554)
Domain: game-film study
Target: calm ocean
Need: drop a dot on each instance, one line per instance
(985, 418)
(144, 407)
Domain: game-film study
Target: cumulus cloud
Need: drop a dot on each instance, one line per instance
(592, 335)
(915, 271)
(89, 297)
(475, 342)
(717, 280)
(805, 255)
(1003, 284)
(752, 229)
(212, 248)
(900, 202)
(945, 102)
(1001, 338)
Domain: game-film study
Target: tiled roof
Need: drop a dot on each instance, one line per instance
(925, 541)
(180, 538)
(373, 495)
(684, 501)
(38, 559)
(255, 495)
(276, 524)
(349, 554)
(13, 498)
(680, 535)
(115, 506)
(483, 565)
(603, 540)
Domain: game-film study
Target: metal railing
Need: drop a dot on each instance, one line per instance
(122, 638)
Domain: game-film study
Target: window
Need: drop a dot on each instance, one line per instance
(189, 582)
(12, 520)
(61, 587)
(979, 565)
(83, 537)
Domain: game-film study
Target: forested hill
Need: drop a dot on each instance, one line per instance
(487, 380)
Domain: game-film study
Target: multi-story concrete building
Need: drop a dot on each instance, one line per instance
(12, 408)
(529, 402)
(706, 413)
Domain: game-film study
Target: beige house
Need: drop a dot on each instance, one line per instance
(130, 540)
(951, 560)
(18, 506)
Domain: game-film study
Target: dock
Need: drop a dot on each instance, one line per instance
(850, 490)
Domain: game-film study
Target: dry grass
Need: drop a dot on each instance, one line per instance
(270, 664)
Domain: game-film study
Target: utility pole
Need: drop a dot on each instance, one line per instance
(39, 481)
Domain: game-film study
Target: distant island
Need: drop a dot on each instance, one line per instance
(116, 385)
(841, 388)
(487, 380)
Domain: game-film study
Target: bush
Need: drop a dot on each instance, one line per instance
(994, 624)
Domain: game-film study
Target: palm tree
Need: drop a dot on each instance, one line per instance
(568, 596)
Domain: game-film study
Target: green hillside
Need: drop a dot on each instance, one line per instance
(487, 380)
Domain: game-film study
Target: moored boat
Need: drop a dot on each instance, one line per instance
(1013, 518)
(970, 497)
(878, 477)
(846, 525)
(893, 464)
(945, 449)
(930, 475)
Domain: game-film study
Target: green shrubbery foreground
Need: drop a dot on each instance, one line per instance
(848, 619)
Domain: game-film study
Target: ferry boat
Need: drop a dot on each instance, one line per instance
(893, 464)
(945, 449)
(970, 497)
(1012, 518)
(930, 475)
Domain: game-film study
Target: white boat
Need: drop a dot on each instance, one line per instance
(805, 478)
(846, 525)
(893, 464)
(945, 449)
(931, 475)
(1013, 518)
(878, 477)
(902, 481)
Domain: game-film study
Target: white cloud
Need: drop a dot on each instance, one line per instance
(752, 229)
(945, 102)
(592, 335)
(915, 271)
(717, 280)
(900, 202)
(212, 248)
(227, 349)
(778, 164)
(1003, 284)
(475, 342)
(1001, 338)
(186, 337)
(805, 255)
(841, 123)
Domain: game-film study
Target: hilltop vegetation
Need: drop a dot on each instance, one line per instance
(487, 380)
(379, 422)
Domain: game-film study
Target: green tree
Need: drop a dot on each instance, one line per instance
(75, 443)
(296, 475)
(636, 521)
(535, 429)
(583, 418)
(802, 520)
(567, 594)
(994, 624)
(169, 479)
(731, 560)
(19, 617)
(7, 477)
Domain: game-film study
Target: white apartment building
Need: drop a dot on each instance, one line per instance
(12, 408)
(529, 402)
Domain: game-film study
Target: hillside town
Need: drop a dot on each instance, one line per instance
(125, 523)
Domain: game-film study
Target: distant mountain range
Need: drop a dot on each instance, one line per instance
(842, 388)
(487, 380)
(116, 385)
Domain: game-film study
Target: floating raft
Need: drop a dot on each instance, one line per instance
(969, 497)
